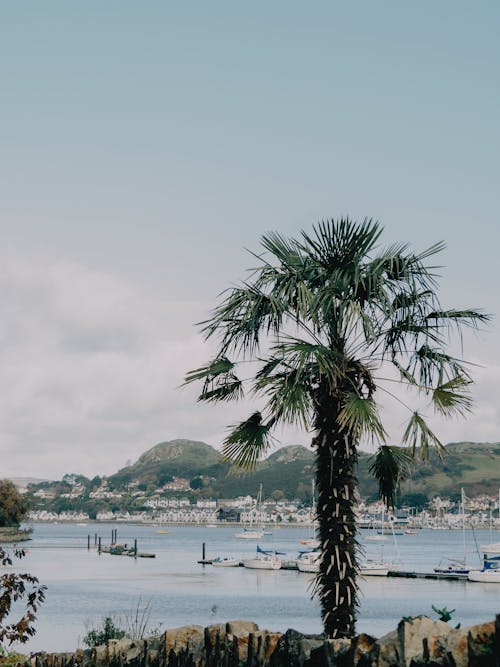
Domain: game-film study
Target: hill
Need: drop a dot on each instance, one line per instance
(290, 470)
(287, 473)
(176, 458)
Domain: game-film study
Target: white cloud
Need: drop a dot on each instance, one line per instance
(91, 366)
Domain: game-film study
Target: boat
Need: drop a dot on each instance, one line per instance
(253, 533)
(264, 560)
(248, 534)
(373, 568)
(490, 574)
(225, 561)
(161, 532)
(457, 566)
(308, 561)
(311, 540)
(379, 567)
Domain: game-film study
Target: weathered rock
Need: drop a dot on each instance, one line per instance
(332, 653)
(261, 646)
(366, 651)
(422, 640)
(294, 648)
(241, 627)
(418, 641)
(480, 641)
(389, 650)
(183, 646)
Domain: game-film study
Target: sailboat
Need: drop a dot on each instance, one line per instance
(457, 566)
(490, 573)
(308, 561)
(253, 533)
(378, 568)
(264, 560)
(311, 540)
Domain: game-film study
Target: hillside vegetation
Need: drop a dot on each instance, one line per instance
(474, 466)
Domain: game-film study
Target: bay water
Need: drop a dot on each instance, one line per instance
(172, 589)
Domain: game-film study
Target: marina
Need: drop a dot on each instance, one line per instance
(84, 587)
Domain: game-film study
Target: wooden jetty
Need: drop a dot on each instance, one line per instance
(448, 576)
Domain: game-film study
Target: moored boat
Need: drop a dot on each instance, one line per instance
(264, 560)
(225, 561)
(308, 561)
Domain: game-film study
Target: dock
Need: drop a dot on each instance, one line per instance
(427, 575)
(401, 574)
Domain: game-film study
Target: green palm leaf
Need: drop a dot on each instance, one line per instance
(360, 417)
(418, 434)
(391, 466)
(247, 442)
(449, 400)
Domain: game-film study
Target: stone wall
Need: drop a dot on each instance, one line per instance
(416, 642)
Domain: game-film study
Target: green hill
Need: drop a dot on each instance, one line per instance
(473, 466)
(179, 458)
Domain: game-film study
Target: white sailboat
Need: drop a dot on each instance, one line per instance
(308, 561)
(311, 540)
(490, 573)
(264, 560)
(372, 567)
(253, 533)
(458, 566)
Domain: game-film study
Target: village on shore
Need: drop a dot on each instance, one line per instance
(481, 511)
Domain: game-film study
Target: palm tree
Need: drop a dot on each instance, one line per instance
(320, 323)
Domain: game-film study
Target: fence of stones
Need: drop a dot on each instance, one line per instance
(416, 642)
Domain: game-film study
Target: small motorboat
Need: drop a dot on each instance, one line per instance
(225, 561)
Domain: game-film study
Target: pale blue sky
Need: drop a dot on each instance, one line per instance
(143, 145)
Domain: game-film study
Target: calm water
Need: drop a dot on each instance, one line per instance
(83, 587)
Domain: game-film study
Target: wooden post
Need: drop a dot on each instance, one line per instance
(99, 547)
(95, 539)
(135, 548)
(88, 542)
(203, 551)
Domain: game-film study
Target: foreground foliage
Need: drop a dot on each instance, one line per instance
(18, 588)
(323, 325)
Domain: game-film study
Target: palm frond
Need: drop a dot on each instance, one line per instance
(418, 434)
(467, 317)
(391, 466)
(449, 400)
(433, 365)
(220, 383)
(289, 395)
(359, 415)
(341, 244)
(247, 442)
(213, 369)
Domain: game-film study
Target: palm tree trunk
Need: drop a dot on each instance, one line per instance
(336, 482)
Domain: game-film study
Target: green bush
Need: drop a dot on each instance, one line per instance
(98, 636)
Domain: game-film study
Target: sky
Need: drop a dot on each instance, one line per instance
(144, 146)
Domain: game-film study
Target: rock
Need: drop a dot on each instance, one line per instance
(294, 648)
(422, 640)
(261, 646)
(214, 633)
(389, 650)
(366, 651)
(241, 627)
(181, 640)
(457, 648)
(332, 652)
(480, 639)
